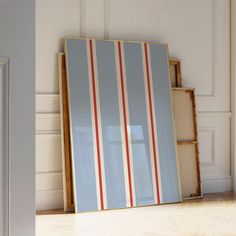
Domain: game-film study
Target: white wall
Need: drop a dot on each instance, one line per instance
(198, 32)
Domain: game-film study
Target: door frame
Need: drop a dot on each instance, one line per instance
(17, 69)
(233, 91)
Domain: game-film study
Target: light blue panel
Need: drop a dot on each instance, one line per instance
(110, 119)
(138, 123)
(84, 168)
(166, 141)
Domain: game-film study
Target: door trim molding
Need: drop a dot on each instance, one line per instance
(4, 76)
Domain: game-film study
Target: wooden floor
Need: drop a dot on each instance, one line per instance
(214, 215)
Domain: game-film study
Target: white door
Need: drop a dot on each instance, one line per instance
(17, 148)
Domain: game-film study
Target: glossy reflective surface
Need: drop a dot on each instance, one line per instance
(123, 141)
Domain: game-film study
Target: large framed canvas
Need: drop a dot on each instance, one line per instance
(121, 124)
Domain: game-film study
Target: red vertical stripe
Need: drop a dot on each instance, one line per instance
(96, 124)
(152, 123)
(125, 123)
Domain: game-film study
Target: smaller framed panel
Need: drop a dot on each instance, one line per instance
(184, 109)
(175, 73)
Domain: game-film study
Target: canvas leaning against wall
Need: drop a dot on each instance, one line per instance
(121, 124)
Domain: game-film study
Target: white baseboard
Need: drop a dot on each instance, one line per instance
(217, 184)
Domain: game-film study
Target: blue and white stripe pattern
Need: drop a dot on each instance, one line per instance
(123, 145)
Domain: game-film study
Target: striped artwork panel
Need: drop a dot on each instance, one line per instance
(110, 125)
(138, 125)
(164, 125)
(123, 145)
(85, 179)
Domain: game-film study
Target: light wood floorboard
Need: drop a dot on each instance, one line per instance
(214, 215)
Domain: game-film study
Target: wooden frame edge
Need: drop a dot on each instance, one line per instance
(59, 57)
(178, 73)
(174, 128)
(66, 139)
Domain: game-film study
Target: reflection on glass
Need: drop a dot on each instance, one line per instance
(142, 165)
(86, 181)
(113, 157)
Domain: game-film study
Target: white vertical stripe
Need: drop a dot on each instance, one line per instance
(128, 125)
(149, 124)
(126, 178)
(99, 125)
(154, 122)
(93, 125)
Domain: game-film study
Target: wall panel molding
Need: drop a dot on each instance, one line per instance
(82, 18)
(219, 96)
(214, 146)
(47, 103)
(49, 184)
(207, 136)
(48, 123)
(49, 199)
(49, 181)
(92, 15)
